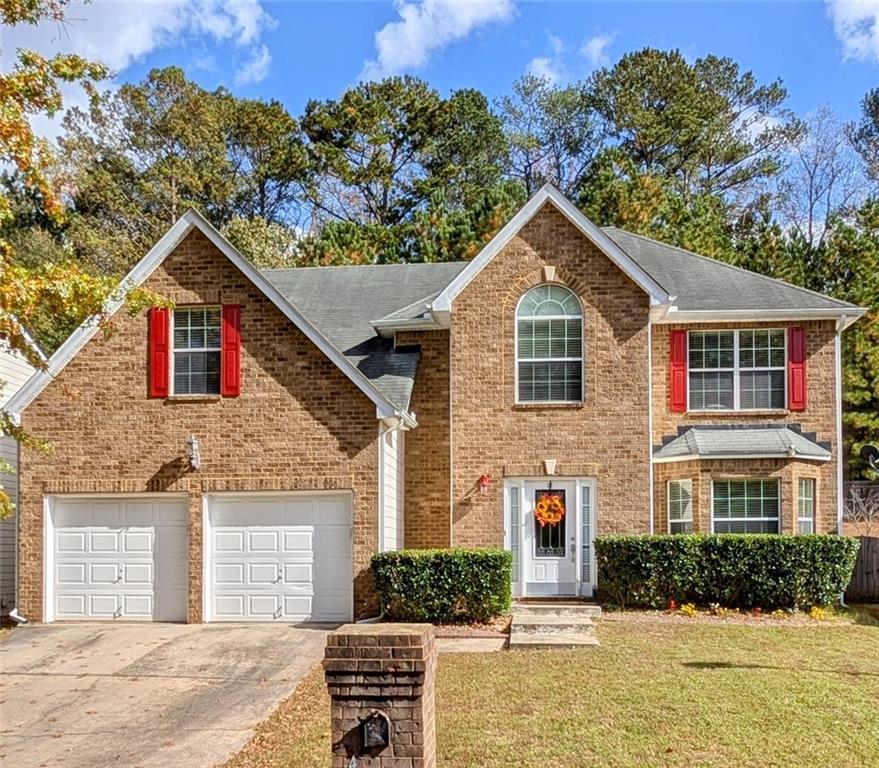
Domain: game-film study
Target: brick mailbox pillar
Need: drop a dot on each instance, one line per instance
(380, 679)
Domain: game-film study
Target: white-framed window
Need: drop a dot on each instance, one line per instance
(737, 369)
(745, 506)
(549, 346)
(195, 357)
(680, 506)
(806, 505)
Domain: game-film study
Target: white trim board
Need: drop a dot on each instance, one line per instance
(549, 194)
(147, 265)
(737, 456)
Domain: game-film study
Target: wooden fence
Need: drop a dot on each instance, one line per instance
(864, 586)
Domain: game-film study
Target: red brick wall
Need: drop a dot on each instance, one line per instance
(299, 423)
(606, 436)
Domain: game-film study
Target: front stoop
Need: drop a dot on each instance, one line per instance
(553, 625)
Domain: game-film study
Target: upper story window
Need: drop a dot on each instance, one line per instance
(737, 370)
(549, 349)
(196, 351)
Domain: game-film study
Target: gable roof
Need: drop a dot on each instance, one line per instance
(144, 268)
(548, 194)
(703, 285)
(348, 303)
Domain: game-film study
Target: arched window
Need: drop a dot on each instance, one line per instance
(549, 349)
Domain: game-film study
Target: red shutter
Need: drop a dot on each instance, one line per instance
(678, 372)
(158, 319)
(796, 369)
(230, 355)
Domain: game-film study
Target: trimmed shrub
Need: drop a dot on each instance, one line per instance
(733, 570)
(443, 584)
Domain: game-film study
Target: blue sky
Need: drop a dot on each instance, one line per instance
(826, 53)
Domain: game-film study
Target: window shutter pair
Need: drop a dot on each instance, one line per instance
(159, 346)
(796, 370)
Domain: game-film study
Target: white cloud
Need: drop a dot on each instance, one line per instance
(256, 68)
(121, 34)
(426, 27)
(545, 67)
(595, 49)
(856, 23)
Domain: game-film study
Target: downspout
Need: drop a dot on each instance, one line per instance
(650, 420)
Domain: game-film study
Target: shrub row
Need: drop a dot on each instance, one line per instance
(734, 570)
(443, 584)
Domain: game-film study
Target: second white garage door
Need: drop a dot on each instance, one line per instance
(279, 558)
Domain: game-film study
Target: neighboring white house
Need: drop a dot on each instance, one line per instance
(14, 372)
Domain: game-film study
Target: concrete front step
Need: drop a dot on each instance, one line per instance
(552, 624)
(550, 608)
(525, 641)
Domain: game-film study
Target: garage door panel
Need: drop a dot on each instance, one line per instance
(293, 564)
(120, 559)
(259, 540)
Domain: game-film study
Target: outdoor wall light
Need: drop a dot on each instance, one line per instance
(192, 452)
(870, 454)
(375, 731)
(484, 484)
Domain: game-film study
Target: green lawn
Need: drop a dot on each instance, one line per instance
(655, 694)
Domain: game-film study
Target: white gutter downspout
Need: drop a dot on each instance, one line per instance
(650, 420)
(837, 373)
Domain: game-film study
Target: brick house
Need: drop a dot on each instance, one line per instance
(241, 455)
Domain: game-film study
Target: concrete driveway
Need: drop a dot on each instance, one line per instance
(144, 695)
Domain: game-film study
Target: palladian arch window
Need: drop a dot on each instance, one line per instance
(549, 348)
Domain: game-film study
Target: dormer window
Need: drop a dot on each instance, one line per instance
(549, 346)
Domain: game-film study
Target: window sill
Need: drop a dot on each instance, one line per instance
(749, 412)
(194, 398)
(547, 405)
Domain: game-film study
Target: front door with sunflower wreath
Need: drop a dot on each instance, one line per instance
(550, 532)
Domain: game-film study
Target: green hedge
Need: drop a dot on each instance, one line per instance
(734, 570)
(443, 584)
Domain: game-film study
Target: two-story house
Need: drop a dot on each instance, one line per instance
(241, 455)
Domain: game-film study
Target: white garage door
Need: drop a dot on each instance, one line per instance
(280, 558)
(120, 558)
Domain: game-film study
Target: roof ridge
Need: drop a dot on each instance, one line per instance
(734, 267)
(361, 266)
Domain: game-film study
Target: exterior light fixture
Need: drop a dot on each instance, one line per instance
(870, 454)
(192, 452)
(484, 484)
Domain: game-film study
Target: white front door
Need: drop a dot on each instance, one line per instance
(550, 551)
(551, 560)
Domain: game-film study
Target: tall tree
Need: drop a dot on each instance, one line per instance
(554, 133)
(822, 178)
(707, 125)
(864, 133)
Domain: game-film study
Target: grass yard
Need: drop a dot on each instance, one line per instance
(657, 693)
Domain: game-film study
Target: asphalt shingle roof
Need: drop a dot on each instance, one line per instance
(342, 302)
(709, 442)
(700, 283)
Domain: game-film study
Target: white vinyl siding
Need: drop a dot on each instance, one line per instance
(745, 506)
(9, 481)
(806, 505)
(680, 506)
(737, 370)
(392, 468)
(14, 372)
(549, 346)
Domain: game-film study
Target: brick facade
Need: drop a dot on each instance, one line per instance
(819, 418)
(299, 424)
(607, 435)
